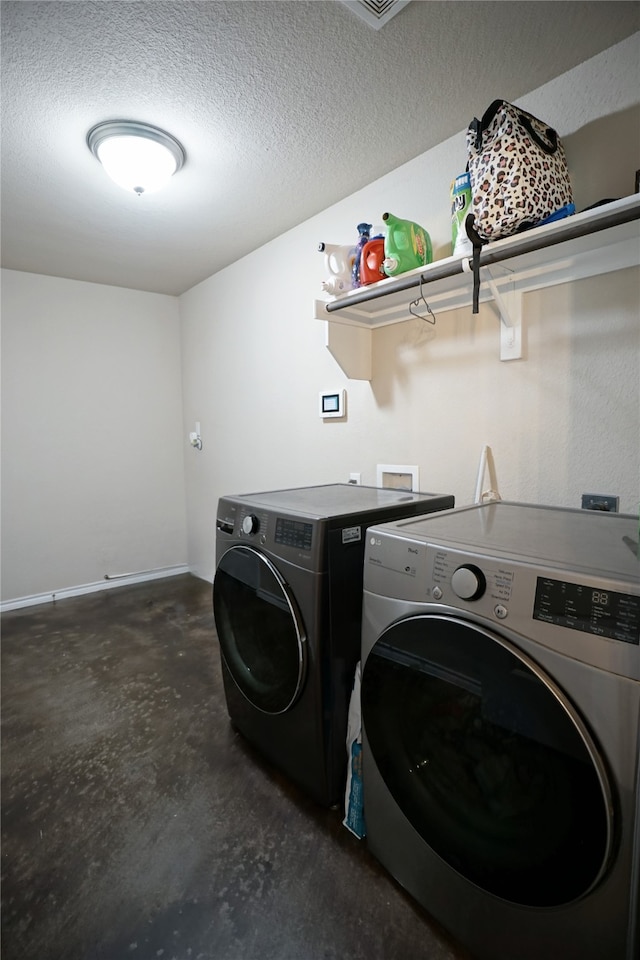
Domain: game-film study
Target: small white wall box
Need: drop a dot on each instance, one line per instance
(396, 476)
(333, 403)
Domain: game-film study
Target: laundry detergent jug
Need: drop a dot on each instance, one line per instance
(371, 261)
(338, 260)
(406, 245)
(364, 234)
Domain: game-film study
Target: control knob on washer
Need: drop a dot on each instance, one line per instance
(250, 523)
(468, 582)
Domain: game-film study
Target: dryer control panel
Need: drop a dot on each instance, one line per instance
(605, 613)
(590, 618)
(469, 580)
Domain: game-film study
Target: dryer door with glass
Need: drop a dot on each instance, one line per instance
(488, 760)
(261, 634)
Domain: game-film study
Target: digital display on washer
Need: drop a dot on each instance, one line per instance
(294, 533)
(578, 607)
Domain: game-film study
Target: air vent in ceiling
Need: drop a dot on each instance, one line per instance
(375, 12)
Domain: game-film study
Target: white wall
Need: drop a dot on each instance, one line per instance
(94, 425)
(564, 420)
(92, 444)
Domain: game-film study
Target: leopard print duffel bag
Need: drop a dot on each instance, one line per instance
(519, 175)
(518, 171)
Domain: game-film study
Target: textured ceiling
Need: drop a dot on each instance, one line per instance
(283, 108)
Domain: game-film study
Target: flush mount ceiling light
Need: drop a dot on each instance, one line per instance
(136, 156)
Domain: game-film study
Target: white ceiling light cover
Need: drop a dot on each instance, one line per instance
(137, 156)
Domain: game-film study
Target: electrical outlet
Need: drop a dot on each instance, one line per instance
(355, 478)
(600, 501)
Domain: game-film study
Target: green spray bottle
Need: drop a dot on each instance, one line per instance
(406, 245)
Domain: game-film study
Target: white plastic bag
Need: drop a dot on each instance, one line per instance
(354, 797)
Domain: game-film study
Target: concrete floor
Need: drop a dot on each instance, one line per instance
(135, 822)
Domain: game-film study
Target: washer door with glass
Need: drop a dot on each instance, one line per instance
(261, 634)
(488, 760)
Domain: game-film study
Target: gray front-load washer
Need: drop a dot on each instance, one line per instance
(501, 712)
(287, 600)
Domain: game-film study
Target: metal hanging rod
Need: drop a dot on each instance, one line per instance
(580, 225)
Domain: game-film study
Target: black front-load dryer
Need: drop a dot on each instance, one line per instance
(287, 601)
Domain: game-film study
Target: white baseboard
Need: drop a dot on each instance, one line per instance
(107, 584)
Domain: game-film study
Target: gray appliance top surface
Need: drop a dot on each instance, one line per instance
(604, 543)
(331, 500)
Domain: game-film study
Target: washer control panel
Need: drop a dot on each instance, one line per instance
(250, 523)
(294, 533)
(240, 522)
(287, 537)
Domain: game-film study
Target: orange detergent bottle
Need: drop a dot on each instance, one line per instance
(406, 245)
(364, 235)
(371, 261)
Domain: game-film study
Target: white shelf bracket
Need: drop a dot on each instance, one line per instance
(509, 304)
(350, 347)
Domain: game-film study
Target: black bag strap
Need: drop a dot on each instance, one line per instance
(477, 242)
(477, 127)
(552, 146)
